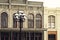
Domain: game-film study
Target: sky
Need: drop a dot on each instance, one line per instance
(50, 3)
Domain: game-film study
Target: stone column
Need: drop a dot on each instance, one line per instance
(45, 35)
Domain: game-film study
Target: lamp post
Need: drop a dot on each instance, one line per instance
(19, 16)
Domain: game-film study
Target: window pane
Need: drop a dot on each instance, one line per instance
(23, 36)
(38, 36)
(27, 35)
(52, 25)
(30, 16)
(30, 24)
(38, 21)
(30, 21)
(38, 24)
(51, 37)
(4, 20)
(51, 21)
(14, 36)
(32, 36)
(14, 22)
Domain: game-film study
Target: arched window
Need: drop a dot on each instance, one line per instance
(14, 22)
(38, 21)
(51, 21)
(30, 21)
(4, 20)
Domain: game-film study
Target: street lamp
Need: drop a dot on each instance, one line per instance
(20, 17)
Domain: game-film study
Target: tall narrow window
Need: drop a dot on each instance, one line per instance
(30, 21)
(14, 22)
(4, 20)
(51, 21)
(38, 21)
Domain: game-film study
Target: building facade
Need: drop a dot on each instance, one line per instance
(52, 23)
(41, 23)
(32, 27)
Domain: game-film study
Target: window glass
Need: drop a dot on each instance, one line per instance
(4, 20)
(38, 21)
(30, 21)
(14, 22)
(51, 37)
(51, 21)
